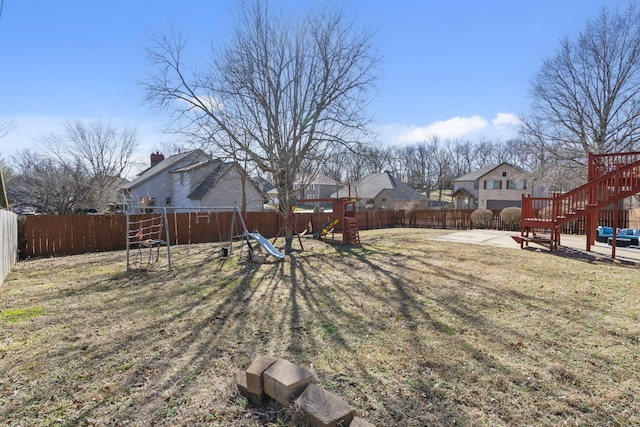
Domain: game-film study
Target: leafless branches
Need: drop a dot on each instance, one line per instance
(285, 95)
(586, 98)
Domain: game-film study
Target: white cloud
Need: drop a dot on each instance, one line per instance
(452, 128)
(472, 128)
(505, 120)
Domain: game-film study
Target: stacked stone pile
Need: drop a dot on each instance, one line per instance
(278, 379)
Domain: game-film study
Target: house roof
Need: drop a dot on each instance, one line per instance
(320, 179)
(211, 179)
(462, 192)
(195, 166)
(263, 184)
(371, 185)
(163, 166)
(479, 173)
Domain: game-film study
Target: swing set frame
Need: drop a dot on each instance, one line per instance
(141, 235)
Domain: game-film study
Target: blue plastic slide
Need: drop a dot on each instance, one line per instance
(265, 244)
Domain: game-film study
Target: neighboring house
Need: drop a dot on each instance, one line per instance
(493, 187)
(321, 187)
(384, 191)
(193, 180)
(263, 184)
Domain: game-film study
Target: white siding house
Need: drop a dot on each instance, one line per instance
(194, 180)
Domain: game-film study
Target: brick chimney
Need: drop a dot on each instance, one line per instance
(156, 158)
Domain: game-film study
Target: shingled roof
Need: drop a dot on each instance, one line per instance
(479, 173)
(371, 185)
(211, 179)
(166, 164)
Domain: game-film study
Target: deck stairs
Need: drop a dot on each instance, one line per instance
(611, 178)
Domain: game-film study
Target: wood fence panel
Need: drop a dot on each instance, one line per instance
(49, 226)
(54, 235)
(179, 225)
(75, 232)
(8, 242)
(266, 223)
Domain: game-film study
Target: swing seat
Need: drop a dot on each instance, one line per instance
(150, 243)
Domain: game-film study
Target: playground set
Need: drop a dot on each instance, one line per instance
(343, 222)
(148, 234)
(611, 178)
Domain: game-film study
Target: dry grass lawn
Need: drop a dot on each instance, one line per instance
(409, 331)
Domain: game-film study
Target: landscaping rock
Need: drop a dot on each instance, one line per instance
(259, 399)
(322, 408)
(255, 382)
(359, 422)
(284, 381)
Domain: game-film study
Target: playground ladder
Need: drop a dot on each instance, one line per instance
(611, 178)
(351, 234)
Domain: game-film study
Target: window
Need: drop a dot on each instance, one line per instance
(147, 201)
(519, 184)
(504, 174)
(493, 185)
(167, 201)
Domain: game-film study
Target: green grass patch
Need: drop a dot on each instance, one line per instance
(14, 315)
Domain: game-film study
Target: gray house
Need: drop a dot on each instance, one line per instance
(384, 191)
(493, 187)
(320, 187)
(193, 180)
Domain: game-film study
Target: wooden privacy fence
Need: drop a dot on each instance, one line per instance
(57, 235)
(8, 242)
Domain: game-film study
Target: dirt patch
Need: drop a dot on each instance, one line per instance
(408, 330)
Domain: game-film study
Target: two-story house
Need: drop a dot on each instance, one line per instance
(494, 187)
(193, 180)
(320, 187)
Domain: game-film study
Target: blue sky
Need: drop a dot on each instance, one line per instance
(453, 68)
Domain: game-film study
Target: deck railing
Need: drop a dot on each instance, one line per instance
(622, 180)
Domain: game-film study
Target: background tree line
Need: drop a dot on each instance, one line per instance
(73, 171)
(429, 166)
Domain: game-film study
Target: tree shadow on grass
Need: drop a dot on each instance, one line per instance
(398, 333)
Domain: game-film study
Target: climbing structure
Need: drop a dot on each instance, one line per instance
(611, 178)
(145, 235)
(344, 220)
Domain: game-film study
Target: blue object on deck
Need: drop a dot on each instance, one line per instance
(271, 250)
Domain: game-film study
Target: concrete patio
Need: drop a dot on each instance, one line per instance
(569, 245)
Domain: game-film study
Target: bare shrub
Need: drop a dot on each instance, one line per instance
(511, 217)
(481, 218)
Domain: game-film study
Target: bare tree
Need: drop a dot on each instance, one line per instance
(464, 157)
(416, 166)
(5, 128)
(586, 98)
(49, 186)
(102, 152)
(285, 94)
(442, 164)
